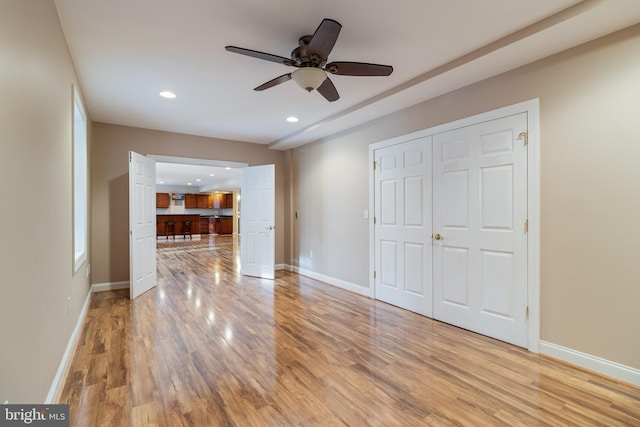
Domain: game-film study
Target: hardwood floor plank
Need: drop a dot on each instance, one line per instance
(209, 347)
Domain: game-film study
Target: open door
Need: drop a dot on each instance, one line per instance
(257, 222)
(142, 224)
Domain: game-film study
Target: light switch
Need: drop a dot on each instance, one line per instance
(366, 214)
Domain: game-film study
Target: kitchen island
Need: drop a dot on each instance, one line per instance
(161, 221)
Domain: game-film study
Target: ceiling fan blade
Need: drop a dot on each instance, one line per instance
(271, 83)
(358, 69)
(259, 55)
(328, 90)
(324, 38)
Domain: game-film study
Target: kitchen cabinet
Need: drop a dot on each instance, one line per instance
(221, 225)
(190, 201)
(227, 200)
(162, 200)
(223, 200)
(204, 225)
(226, 225)
(204, 201)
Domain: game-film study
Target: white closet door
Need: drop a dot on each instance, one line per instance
(480, 245)
(403, 249)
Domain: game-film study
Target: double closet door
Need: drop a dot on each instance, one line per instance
(450, 227)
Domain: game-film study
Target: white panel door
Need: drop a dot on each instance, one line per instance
(480, 241)
(257, 221)
(403, 248)
(142, 224)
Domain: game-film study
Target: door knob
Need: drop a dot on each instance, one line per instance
(437, 236)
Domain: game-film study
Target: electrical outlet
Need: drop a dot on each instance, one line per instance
(88, 270)
(310, 254)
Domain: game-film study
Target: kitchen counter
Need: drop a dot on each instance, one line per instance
(179, 219)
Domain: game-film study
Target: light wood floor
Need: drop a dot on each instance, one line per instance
(208, 347)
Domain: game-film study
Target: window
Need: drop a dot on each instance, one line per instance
(80, 211)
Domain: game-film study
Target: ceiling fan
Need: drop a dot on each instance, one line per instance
(310, 59)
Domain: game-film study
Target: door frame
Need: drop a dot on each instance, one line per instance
(532, 108)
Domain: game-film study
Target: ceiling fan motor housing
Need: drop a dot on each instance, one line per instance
(301, 56)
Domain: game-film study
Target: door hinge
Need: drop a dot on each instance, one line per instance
(524, 136)
(374, 220)
(130, 232)
(374, 274)
(526, 225)
(374, 165)
(526, 312)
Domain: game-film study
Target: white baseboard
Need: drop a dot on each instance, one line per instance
(58, 380)
(109, 286)
(351, 287)
(57, 383)
(592, 363)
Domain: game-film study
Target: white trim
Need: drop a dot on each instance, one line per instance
(348, 286)
(109, 286)
(372, 227)
(533, 250)
(80, 163)
(592, 363)
(532, 108)
(57, 383)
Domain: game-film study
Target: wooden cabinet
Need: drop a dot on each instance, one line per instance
(223, 200)
(198, 201)
(190, 201)
(221, 225)
(204, 201)
(227, 200)
(162, 200)
(226, 225)
(204, 225)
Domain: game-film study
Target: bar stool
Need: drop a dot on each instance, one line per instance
(170, 229)
(186, 229)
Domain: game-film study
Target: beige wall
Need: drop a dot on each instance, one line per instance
(590, 196)
(36, 260)
(110, 186)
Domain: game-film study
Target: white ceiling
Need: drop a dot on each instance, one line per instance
(201, 175)
(127, 51)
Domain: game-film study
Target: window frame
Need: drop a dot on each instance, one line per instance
(80, 180)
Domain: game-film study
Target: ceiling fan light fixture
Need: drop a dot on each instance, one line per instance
(309, 78)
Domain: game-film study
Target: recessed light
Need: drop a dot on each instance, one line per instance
(161, 182)
(228, 168)
(212, 174)
(292, 119)
(198, 180)
(167, 94)
(189, 183)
